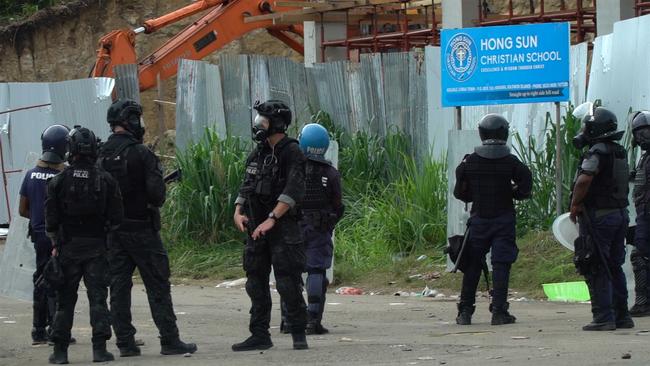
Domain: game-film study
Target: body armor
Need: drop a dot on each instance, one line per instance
(490, 185)
(641, 191)
(83, 201)
(609, 189)
(317, 205)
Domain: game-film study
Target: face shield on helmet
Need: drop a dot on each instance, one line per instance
(260, 128)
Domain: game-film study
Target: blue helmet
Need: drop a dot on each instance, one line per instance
(54, 142)
(314, 140)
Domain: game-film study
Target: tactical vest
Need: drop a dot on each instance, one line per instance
(114, 160)
(129, 173)
(269, 178)
(83, 199)
(641, 191)
(610, 186)
(490, 184)
(316, 184)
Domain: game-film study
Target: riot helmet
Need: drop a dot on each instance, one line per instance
(128, 114)
(273, 116)
(314, 140)
(493, 129)
(601, 125)
(641, 129)
(82, 143)
(54, 141)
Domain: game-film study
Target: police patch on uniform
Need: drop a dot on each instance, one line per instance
(80, 174)
(252, 169)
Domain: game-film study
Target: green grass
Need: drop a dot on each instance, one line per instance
(395, 212)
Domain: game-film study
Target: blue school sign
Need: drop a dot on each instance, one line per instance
(503, 65)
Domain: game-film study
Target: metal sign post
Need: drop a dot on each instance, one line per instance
(558, 160)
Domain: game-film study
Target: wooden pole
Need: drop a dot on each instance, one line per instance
(558, 160)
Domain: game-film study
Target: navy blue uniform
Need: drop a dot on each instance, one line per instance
(487, 182)
(34, 189)
(606, 206)
(641, 254)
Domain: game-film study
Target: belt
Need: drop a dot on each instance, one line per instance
(135, 225)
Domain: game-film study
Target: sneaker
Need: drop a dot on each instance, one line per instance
(253, 343)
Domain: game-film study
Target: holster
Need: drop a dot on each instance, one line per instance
(585, 257)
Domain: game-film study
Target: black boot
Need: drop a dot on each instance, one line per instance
(128, 348)
(465, 313)
(623, 318)
(39, 336)
(176, 347)
(299, 341)
(253, 343)
(59, 355)
(501, 316)
(640, 269)
(314, 325)
(599, 326)
(639, 311)
(100, 354)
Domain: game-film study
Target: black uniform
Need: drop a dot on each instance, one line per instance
(274, 175)
(485, 179)
(82, 203)
(641, 254)
(137, 243)
(606, 206)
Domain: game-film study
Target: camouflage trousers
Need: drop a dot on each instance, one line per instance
(142, 249)
(93, 271)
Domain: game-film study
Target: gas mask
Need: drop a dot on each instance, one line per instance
(135, 125)
(642, 138)
(260, 129)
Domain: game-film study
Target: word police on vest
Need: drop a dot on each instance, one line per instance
(80, 174)
(41, 176)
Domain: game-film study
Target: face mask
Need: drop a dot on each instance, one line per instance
(580, 141)
(135, 125)
(642, 138)
(260, 128)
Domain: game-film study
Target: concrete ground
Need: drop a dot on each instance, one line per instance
(365, 330)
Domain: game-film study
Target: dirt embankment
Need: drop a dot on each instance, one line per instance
(60, 43)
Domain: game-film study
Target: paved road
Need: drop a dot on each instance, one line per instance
(366, 330)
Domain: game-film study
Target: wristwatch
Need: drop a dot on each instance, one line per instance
(272, 216)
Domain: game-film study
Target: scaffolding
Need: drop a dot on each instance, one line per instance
(641, 7)
(582, 18)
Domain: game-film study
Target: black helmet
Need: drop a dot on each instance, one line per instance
(276, 111)
(82, 142)
(493, 129)
(641, 119)
(126, 113)
(601, 125)
(640, 130)
(54, 141)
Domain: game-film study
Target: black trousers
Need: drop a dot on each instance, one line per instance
(283, 249)
(143, 250)
(93, 270)
(44, 304)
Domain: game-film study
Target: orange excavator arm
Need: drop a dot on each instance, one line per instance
(221, 25)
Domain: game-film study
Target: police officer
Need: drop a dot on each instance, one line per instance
(32, 206)
(599, 202)
(137, 243)
(322, 208)
(266, 206)
(486, 178)
(641, 193)
(83, 204)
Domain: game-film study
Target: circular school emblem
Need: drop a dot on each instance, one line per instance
(460, 57)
